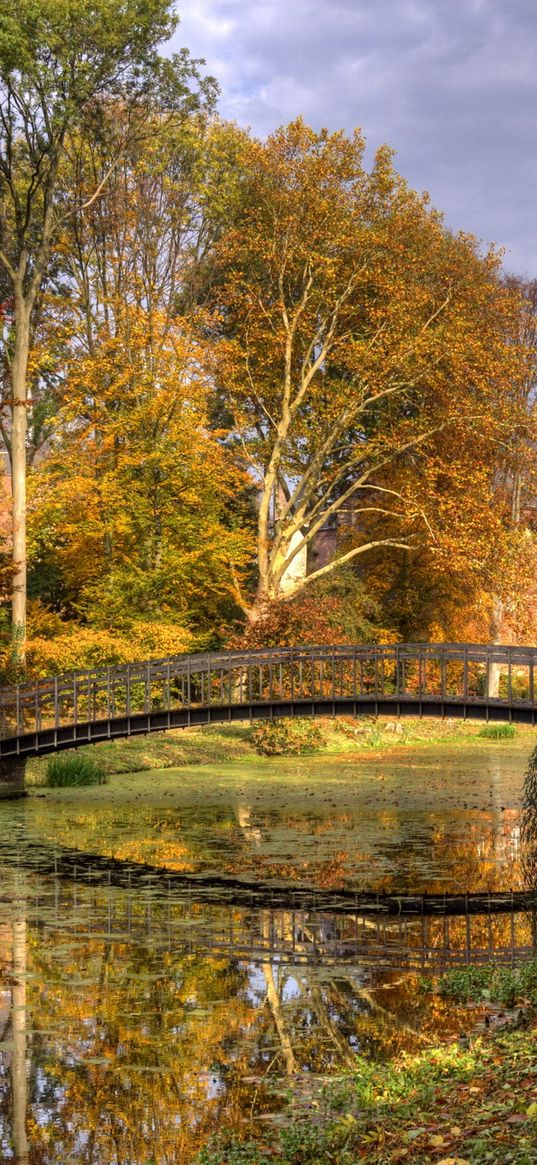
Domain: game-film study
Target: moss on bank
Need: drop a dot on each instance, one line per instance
(218, 744)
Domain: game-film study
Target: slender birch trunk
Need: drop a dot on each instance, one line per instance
(18, 479)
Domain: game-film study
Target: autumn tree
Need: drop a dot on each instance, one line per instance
(354, 330)
(60, 64)
(132, 507)
(137, 511)
(513, 598)
(476, 579)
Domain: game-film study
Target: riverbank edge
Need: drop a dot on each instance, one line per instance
(466, 1103)
(233, 743)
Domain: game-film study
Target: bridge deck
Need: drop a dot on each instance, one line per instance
(460, 680)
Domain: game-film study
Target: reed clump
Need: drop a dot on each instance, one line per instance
(71, 769)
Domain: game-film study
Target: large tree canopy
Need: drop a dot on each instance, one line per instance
(358, 338)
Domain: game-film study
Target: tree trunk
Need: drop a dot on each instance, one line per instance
(494, 669)
(18, 482)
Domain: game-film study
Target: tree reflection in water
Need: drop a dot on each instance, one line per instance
(138, 1021)
(13, 1027)
(528, 838)
(138, 1052)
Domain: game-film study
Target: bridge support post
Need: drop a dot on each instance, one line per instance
(12, 773)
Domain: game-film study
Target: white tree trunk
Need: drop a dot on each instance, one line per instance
(494, 669)
(18, 478)
(19, 1081)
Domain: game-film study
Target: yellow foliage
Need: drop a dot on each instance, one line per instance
(74, 647)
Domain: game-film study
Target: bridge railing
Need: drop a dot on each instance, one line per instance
(456, 673)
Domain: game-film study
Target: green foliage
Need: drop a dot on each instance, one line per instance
(300, 1144)
(233, 1152)
(73, 769)
(304, 1144)
(504, 985)
(498, 731)
(70, 51)
(286, 737)
(379, 1086)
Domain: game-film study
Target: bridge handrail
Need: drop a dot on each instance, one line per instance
(496, 652)
(467, 672)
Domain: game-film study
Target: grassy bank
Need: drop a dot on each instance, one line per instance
(464, 1103)
(218, 744)
(450, 1104)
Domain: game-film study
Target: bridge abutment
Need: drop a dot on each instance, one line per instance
(12, 778)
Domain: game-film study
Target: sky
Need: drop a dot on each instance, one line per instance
(451, 85)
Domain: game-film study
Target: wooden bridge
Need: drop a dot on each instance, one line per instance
(450, 679)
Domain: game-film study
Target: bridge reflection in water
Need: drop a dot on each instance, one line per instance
(115, 901)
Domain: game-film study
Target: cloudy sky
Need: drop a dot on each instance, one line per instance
(450, 84)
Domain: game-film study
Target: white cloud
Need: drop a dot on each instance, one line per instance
(450, 84)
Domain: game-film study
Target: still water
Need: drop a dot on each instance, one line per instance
(175, 947)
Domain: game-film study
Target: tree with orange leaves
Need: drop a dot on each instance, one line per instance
(358, 338)
(132, 505)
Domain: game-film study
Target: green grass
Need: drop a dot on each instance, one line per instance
(497, 731)
(233, 743)
(73, 768)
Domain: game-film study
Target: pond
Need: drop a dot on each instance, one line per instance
(178, 946)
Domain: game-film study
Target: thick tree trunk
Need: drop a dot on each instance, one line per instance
(18, 480)
(274, 1003)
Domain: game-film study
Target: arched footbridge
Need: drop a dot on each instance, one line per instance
(450, 679)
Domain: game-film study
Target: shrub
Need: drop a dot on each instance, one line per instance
(520, 689)
(503, 985)
(498, 731)
(74, 769)
(337, 609)
(286, 737)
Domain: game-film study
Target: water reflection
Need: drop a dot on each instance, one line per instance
(144, 1005)
(528, 837)
(142, 1019)
(416, 822)
(87, 895)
